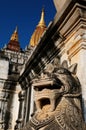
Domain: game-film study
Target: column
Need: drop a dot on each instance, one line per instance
(19, 121)
(31, 102)
(3, 108)
(27, 100)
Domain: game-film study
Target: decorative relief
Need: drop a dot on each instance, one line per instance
(57, 95)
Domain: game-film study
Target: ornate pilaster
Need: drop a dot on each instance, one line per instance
(19, 121)
(3, 109)
(27, 100)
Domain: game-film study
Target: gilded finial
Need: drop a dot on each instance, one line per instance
(16, 30)
(42, 21)
(14, 36)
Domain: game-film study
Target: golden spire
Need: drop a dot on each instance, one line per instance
(40, 28)
(42, 21)
(14, 36)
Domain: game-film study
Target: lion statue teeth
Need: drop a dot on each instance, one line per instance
(57, 95)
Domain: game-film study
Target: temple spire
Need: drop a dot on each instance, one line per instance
(40, 28)
(13, 44)
(42, 21)
(14, 36)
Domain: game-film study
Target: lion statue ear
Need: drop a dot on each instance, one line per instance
(65, 64)
(73, 68)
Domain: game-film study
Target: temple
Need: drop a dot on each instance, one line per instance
(29, 78)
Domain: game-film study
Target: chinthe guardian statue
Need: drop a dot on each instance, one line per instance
(57, 93)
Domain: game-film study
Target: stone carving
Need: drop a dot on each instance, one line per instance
(58, 100)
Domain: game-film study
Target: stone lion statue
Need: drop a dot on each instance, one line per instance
(57, 94)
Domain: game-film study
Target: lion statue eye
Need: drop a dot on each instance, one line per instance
(60, 71)
(63, 71)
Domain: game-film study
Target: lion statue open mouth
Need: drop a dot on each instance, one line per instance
(57, 96)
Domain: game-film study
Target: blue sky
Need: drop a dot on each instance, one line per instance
(25, 14)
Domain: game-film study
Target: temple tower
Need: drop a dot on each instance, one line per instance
(12, 59)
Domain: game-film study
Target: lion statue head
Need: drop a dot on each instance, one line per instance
(57, 97)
